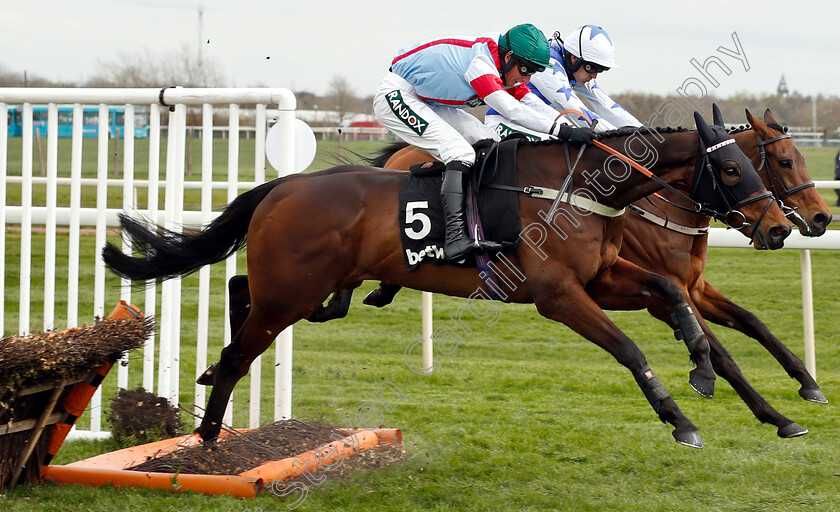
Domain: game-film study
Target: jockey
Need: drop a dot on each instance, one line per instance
(576, 65)
(421, 100)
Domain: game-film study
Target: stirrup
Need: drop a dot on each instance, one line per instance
(483, 246)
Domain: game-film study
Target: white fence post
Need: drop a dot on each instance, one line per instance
(808, 312)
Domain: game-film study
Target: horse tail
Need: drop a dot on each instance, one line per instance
(386, 153)
(166, 254)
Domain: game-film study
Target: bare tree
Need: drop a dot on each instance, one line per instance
(145, 69)
(340, 94)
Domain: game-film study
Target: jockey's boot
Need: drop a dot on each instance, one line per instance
(457, 243)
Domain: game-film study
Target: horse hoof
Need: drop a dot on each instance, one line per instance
(374, 298)
(813, 395)
(690, 438)
(206, 378)
(703, 386)
(792, 430)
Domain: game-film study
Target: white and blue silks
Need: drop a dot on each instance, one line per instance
(557, 90)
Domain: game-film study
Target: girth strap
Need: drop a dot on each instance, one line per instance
(667, 224)
(582, 202)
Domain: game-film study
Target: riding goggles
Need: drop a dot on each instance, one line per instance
(528, 68)
(591, 67)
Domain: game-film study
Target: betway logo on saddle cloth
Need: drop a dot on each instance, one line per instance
(431, 251)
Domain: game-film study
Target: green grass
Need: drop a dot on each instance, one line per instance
(526, 415)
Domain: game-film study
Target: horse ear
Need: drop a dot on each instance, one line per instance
(754, 122)
(706, 133)
(717, 116)
(768, 117)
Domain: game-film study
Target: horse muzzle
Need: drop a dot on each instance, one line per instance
(772, 239)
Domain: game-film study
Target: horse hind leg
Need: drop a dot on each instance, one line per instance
(256, 335)
(240, 305)
(337, 307)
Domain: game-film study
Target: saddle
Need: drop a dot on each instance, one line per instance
(491, 213)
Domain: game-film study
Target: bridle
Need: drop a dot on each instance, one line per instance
(733, 210)
(703, 166)
(773, 176)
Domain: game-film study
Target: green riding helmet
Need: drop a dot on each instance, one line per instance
(528, 44)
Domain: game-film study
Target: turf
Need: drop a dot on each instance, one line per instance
(525, 415)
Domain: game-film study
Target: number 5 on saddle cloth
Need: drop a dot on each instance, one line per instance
(421, 211)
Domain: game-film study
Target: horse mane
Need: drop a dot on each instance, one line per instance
(738, 129)
(777, 126)
(630, 130)
(624, 131)
(382, 156)
(743, 128)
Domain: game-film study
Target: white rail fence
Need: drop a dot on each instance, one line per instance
(102, 215)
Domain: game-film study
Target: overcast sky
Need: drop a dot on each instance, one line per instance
(302, 44)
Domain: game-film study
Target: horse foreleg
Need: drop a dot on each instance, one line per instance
(625, 285)
(717, 308)
(383, 295)
(726, 367)
(576, 309)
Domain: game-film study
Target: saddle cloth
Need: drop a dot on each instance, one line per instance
(422, 227)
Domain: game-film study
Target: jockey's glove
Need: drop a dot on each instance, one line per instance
(577, 136)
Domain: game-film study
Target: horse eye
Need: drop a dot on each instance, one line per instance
(787, 164)
(730, 171)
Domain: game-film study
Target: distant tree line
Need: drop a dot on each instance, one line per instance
(183, 67)
(793, 109)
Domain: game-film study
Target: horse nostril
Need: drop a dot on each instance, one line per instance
(822, 219)
(779, 232)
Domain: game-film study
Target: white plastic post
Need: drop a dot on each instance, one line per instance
(204, 273)
(75, 218)
(4, 151)
(428, 348)
(150, 298)
(50, 234)
(99, 269)
(25, 221)
(283, 344)
(808, 312)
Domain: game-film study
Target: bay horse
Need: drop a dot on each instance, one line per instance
(294, 243)
(666, 239)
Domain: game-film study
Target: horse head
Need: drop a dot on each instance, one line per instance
(727, 187)
(782, 169)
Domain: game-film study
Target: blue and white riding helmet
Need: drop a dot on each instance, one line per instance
(591, 43)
